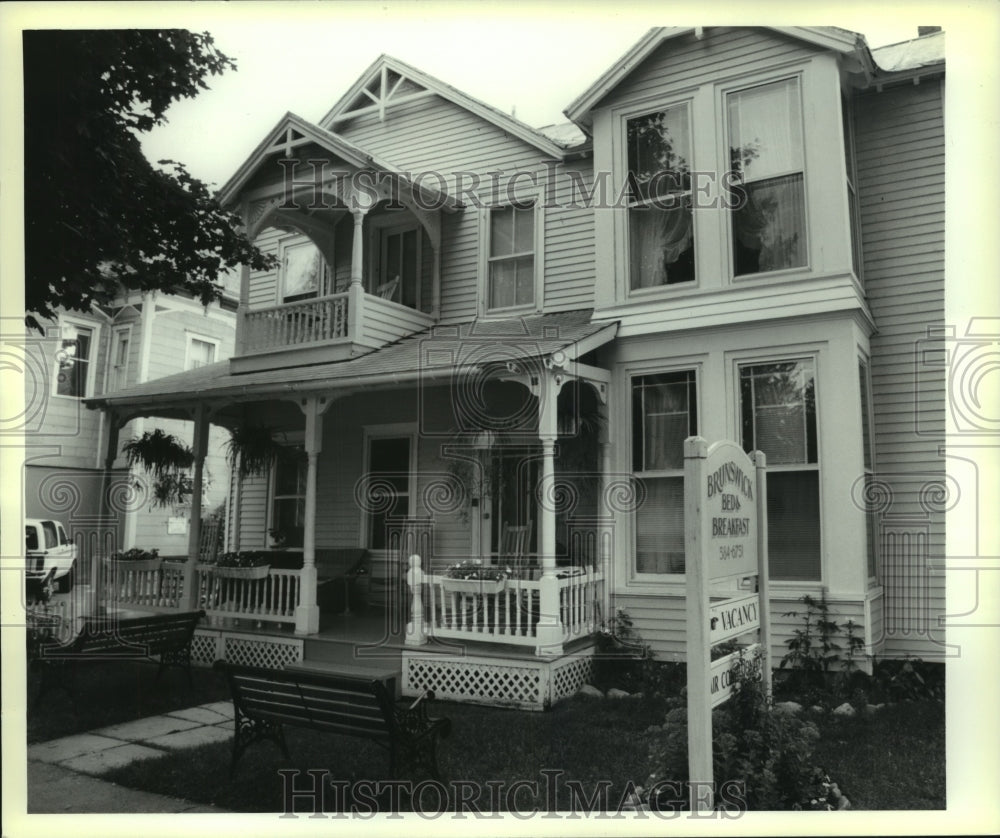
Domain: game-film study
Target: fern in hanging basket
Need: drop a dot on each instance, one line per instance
(252, 448)
(167, 459)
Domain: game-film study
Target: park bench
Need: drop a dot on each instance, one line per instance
(265, 700)
(113, 637)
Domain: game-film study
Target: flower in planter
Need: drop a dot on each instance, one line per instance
(472, 569)
(135, 554)
(243, 558)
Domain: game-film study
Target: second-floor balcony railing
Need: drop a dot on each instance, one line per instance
(293, 324)
(351, 318)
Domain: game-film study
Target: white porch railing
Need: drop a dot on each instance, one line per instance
(152, 588)
(293, 324)
(272, 599)
(509, 615)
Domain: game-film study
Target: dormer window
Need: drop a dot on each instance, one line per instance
(766, 156)
(661, 224)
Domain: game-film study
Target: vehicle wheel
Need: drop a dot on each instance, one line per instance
(65, 583)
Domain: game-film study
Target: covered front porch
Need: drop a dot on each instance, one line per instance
(419, 469)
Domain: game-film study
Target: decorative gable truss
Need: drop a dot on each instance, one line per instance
(384, 88)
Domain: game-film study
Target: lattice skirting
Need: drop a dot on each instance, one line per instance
(499, 682)
(209, 646)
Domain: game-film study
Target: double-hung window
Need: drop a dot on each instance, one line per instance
(767, 160)
(778, 414)
(660, 220)
(119, 358)
(74, 359)
(200, 352)
(510, 272)
(664, 414)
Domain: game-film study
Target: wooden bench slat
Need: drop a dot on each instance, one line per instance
(264, 700)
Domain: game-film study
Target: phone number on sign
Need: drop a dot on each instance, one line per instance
(729, 552)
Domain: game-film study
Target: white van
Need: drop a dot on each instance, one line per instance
(50, 556)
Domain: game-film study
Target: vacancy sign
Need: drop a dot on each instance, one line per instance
(725, 540)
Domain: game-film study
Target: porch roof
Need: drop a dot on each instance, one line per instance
(437, 353)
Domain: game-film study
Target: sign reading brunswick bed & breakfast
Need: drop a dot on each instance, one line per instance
(725, 547)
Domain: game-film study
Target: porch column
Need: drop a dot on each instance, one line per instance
(549, 629)
(189, 600)
(356, 291)
(307, 611)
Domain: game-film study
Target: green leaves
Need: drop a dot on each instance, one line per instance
(98, 215)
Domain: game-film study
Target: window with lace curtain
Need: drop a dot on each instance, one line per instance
(766, 156)
(778, 415)
(664, 414)
(660, 220)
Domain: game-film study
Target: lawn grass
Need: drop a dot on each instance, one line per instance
(109, 692)
(892, 760)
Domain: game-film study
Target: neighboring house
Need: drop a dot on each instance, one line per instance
(83, 355)
(740, 236)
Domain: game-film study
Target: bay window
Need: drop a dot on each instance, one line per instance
(767, 161)
(660, 219)
(664, 414)
(511, 258)
(778, 417)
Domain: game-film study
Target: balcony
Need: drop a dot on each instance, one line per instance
(322, 329)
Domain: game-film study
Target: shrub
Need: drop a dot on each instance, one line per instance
(816, 667)
(769, 752)
(135, 554)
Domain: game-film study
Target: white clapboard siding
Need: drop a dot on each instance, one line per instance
(900, 157)
(686, 62)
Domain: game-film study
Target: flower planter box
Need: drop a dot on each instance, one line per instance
(474, 586)
(136, 566)
(259, 572)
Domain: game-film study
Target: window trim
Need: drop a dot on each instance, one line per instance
(630, 375)
(536, 200)
(95, 346)
(869, 469)
(780, 355)
(391, 430)
(110, 376)
(191, 337)
(737, 84)
(620, 155)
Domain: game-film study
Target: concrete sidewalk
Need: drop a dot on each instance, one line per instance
(64, 774)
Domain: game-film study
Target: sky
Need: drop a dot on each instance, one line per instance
(302, 58)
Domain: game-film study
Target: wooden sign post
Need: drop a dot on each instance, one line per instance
(725, 541)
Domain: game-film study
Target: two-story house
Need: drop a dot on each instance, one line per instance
(480, 330)
(71, 473)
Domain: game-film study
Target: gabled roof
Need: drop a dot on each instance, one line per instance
(504, 122)
(293, 131)
(826, 37)
(438, 353)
